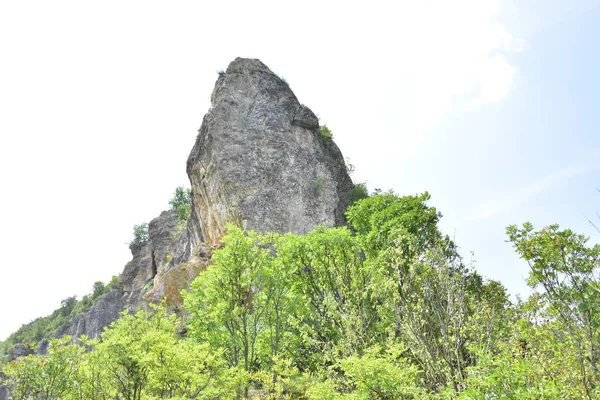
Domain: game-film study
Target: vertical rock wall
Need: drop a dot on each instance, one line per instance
(259, 160)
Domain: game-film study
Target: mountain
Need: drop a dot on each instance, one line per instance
(260, 161)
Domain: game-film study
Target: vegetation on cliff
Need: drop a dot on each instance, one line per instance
(41, 330)
(374, 303)
(385, 308)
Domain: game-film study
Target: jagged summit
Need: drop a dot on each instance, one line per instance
(260, 161)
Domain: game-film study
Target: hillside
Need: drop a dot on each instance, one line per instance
(276, 277)
(244, 169)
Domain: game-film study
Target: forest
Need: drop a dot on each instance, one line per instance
(383, 308)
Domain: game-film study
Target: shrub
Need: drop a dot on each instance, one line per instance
(326, 134)
(114, 283)
(382, 374)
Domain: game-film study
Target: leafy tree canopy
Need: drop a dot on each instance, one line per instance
(382, 309)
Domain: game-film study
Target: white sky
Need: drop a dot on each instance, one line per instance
(100, 103)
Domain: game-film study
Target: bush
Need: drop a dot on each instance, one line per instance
(382, 374)
(326, 134)
(114, 283)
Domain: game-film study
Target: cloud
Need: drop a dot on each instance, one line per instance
(517, 197)
(409, 66)
(496, 79)
(86, 81)
(461, 58)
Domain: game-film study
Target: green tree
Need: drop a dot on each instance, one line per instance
(141, 356)
(427, 303)
(531, 362)
(140, 234)
(98, 289)
(67, 305)
(228, 302)
(94, 378)
(359, 192)
(336, 314)
(567, 271)
(50, 376)
(379, 219)
(424, 295)
(181, 202)
(279, 338)
(380, 374)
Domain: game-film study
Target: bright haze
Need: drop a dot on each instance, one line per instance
(493, 107)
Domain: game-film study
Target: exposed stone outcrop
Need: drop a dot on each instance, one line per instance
(21, 350)
(260, 161)
(167, 248)
(106, 309)
(160, 268)
(164, 250)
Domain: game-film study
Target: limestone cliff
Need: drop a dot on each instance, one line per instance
(259, 161)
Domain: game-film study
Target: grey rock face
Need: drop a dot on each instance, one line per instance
(106, 309)
(259, 160)
(4, 390)
(145, 278)
(160, 267)
(20, 351)
(138, 276)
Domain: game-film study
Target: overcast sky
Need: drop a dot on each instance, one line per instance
(491, 106)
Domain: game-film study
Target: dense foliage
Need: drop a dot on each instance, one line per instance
(385, 308)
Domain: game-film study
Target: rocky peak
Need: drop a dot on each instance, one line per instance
(260, 161)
